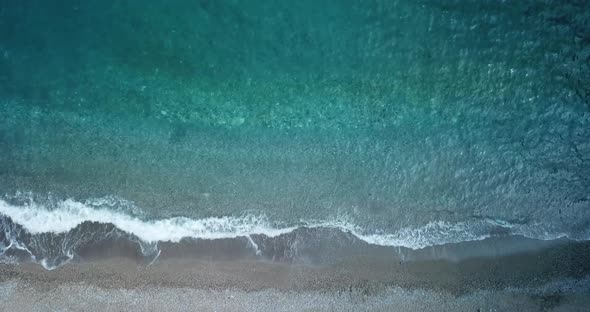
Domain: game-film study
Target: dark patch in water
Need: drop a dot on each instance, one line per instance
(178, 133)
(549, 302)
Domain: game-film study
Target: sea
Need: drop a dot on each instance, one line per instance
(281, 124)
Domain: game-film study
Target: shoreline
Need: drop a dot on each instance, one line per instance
(554, 277)
(376, 267)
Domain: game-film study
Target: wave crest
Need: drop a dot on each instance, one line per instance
(51, 234)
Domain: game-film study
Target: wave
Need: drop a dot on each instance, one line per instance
(52, 234)
(36, 219)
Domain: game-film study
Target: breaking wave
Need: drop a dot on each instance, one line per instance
(51, 235)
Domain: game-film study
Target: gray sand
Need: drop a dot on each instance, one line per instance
(553, 279)
(84, 297)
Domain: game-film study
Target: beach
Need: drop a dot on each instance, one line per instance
(348, 155)
(551, 279)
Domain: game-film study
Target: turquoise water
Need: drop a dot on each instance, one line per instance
(386, 116)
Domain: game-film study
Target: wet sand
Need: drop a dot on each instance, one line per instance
(552, 278)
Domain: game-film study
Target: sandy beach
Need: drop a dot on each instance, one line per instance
(554, 279)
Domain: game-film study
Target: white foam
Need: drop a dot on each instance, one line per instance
(68, 214)
(431, 234)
